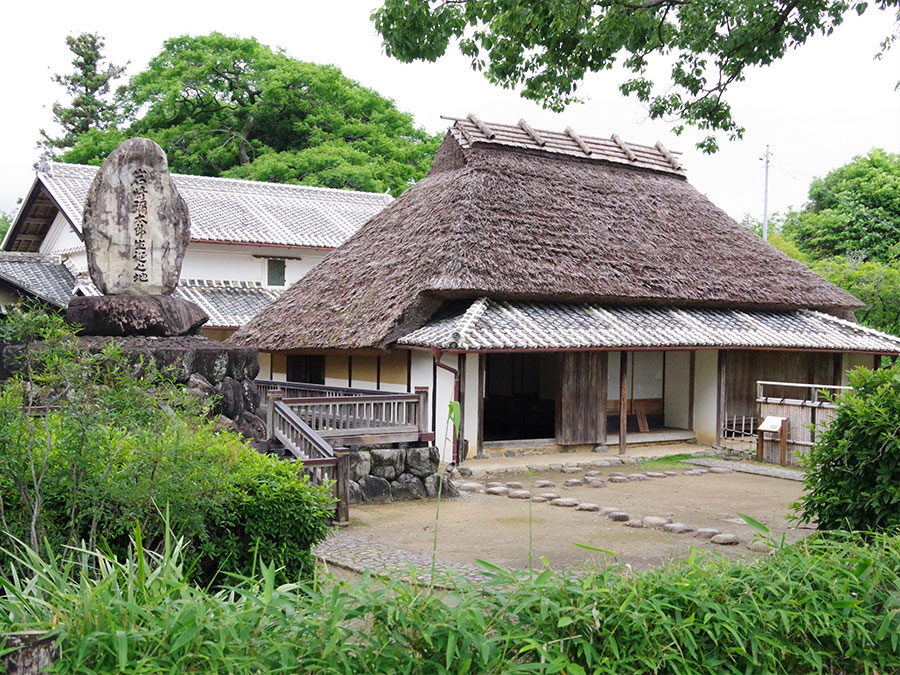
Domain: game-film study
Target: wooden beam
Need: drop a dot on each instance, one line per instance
(479, 450)
(578, 141)
(482, 127)
(461, 436)
(668, 155)
(623, 146)
(623, 400)
(535, 136)
(720, 396)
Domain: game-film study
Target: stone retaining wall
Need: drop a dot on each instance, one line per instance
(208, 368)
(384, 475)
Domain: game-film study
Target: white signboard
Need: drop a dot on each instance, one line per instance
(772, 423)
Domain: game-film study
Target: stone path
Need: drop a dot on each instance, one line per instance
(758, 469)
(358, 553)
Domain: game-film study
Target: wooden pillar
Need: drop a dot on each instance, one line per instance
(479, 449)
(623, 400)
(720, 395)
(461, 436)
(342, 487)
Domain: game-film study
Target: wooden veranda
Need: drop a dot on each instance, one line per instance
(318, 425)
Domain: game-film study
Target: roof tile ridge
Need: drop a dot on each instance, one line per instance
(468, 319)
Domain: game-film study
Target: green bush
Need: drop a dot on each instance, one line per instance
(853, 471)
(822, 606)
(88, 449)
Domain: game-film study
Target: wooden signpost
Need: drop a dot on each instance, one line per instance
(773, 424)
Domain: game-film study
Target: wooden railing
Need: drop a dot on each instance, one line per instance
(324, 464)
(305, 390)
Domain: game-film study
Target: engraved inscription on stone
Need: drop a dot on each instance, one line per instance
(136, 225)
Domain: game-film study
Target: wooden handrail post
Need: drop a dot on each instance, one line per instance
(422, 413)
(342, 487)
(272, 396)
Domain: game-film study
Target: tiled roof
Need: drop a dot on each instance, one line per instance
(236, 211)
(500, 325)
(43, 276)
(471, 131)
(230, 304)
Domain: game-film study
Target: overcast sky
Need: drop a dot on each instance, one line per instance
(817, 108)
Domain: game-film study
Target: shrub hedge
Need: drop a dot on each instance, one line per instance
(88, 448)
(820, 606)
(853, 471)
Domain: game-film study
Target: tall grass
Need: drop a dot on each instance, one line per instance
(820, 606)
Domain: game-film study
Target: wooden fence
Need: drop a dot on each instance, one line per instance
(807, 414)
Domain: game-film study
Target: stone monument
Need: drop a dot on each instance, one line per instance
(136, 229)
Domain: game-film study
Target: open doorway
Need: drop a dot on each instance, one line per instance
(519, 396)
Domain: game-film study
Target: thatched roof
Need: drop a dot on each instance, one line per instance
(518, 222)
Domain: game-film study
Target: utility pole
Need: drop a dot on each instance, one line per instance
(765, 227)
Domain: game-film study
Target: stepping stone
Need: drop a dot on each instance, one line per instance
(571, 469)
(494, 484)
(555, 467)
(707, 533)
(537, 499)
(618, 516)
(514, 485)
(608, 509)
(632, 523)
(654, 474)
(720, 469)
(534, 468)
(725, 539)
(544, 483)
(587, 506)
(593, 474)
(499, 491)
(694, 472)
(702, 472)
(655, 521)
(548, 496)
(618, 479)
(566, 502)
(516, 469)
(637, 476)
(759, 546)
(595, 483)
(617, 473)
(470, 487)
(574, 482)
(519, 494)
(671, 473)
(600, 462)
(612, 461)
(677, 528)
(577, 465)
(628, 460)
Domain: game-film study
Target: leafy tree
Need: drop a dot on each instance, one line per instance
(874, 283)
(548, 47)
(5, 222)
(852, 211)
(89, 88)
(227, 106)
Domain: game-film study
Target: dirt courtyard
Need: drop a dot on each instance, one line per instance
(496, 528)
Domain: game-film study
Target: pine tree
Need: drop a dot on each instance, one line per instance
(89, 88)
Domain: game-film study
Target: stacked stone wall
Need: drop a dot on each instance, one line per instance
(384, 475)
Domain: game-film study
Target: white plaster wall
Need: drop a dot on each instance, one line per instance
(853, 360)
(648, 374)
(422, 377)
(265, 365)
(221, 262)
(78, 261)
(60, 237)
(647, 368)
(706, 384)
(677, 395)
(470, 432)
